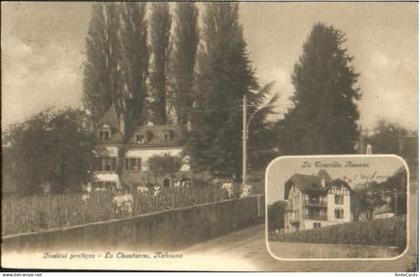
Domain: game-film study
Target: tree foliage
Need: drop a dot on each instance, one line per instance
(385, 139)
(275, 213)
(392, 192)
(224, 75)
(164, 165)
(366, 200)
(51, 147)
(185, 43)
(135, 59)
(323, 119)
(117, 63)
(101, 74)
(160, 27)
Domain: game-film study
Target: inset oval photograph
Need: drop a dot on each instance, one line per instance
(337, 207)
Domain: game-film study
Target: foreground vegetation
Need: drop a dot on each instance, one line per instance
(390, 231)
(41, 212)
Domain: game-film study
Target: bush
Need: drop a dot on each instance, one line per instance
(390, 231)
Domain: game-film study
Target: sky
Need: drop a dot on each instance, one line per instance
(43, 50)
(363, 170)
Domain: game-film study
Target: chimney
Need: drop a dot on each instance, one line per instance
(323, 181)
(122, 124)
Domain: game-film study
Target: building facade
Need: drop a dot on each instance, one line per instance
(315, 201)
(145, 142)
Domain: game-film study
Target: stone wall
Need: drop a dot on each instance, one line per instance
(165, 230)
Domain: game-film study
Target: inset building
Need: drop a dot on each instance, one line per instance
(315, 201)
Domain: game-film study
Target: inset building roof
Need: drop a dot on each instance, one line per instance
(312, 183)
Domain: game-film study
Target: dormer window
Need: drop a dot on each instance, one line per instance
(104, 133)
(140, 139)
(166, 135)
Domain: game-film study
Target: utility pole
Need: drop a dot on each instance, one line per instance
(361, 150)
(245, 128)
(244, 138)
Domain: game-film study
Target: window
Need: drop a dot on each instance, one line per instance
(140, 139)
(339, 199)
(104, 134)
(106, 164)
(109, 164)
(339, 213)
(132, 164)
(339, 189)
(166, 135)
(109, 186)
(317, 225)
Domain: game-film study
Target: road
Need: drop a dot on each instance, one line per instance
(246, 250)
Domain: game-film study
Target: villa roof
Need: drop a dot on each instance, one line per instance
(306, 182)
(312, 183)
(110, 118)
(154, 134)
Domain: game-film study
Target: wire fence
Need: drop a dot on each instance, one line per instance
(41, 212)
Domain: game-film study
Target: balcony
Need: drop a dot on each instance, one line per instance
(316, 217)
(293, 219)
(317, 203)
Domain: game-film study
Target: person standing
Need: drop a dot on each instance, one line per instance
(227, 188)
(246, 190)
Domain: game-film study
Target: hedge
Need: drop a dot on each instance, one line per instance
(389, 232)
(40, 212)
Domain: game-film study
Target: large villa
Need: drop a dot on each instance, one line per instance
(315, 201)
(146, 141)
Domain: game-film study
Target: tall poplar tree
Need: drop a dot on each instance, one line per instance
(185, 42)
(102, 83)
(134, 61)
(323, 119)
(160, 27)
(224, 75)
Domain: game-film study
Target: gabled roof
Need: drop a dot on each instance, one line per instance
(156, 132)
(153, 132)
(312, 183)
(337, 181)
(324, 173)
(306, 182)
(110, 118)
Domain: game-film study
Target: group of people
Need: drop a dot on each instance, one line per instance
(228, 189)
(184, 182)
(123, 201)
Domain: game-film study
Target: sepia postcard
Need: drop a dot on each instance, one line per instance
(209, 136)
(339, 208)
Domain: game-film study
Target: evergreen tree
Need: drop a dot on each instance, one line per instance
(135, 61)
(186, 39)
(101, 84)
(225, 75)
(160, 27)
(323, 119)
